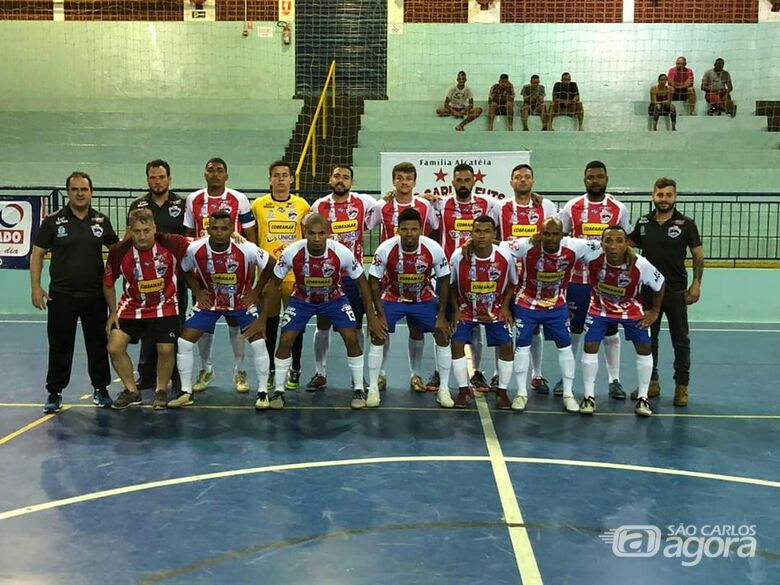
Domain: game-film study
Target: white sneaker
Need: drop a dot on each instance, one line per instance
(570, 404)
(642, 407)
(444, 398)
(373, 399)
(587, 405)
(262, 402)
(519, 403)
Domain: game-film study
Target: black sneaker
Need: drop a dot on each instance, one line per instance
(125, 399)
(432, 385)
(160, 400)
(277, 401)
(293, 380)
(616, 391)
(479, 383)
(53, 404)
(494, 383)
(101, 399)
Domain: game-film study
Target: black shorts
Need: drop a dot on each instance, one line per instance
(160, 329)
(502, 109)
(680, 95)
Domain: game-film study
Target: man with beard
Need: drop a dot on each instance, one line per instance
(665, 235)
(586, 217)
(717, 87)
(456, 218)
(349, 216)
(168, 212)
(522, 217)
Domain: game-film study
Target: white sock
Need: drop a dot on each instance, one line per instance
(522, 357)
(356, 366)
(385, 353)
(590, 367)
(238, 343)
(281, 369)
(321, 347)
(374, 365)
(567, 365)
(576, 340)
(612, 355)
(416, 348)
(476, 348)
(185, 360)
(361, 340)
(205, 343)
(444, 358)
(505, 369)
(262, 363)
(537, 345)
(644, 369)
(460, 372)
(436, 360)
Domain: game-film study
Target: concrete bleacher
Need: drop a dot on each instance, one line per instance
(705, 154)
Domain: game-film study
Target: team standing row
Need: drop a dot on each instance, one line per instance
(446, 287)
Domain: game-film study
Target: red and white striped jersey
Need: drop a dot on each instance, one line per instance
(150, 276)
(521, 221)
(582, 218)
(544, 277)
(388, 212)
(199, 206)
(614, 290)
(349, 219)
(480, 283)
(407, 275)
(318, 278)
(226, 276)
(456, 219)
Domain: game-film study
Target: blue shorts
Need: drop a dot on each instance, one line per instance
(422, 314)
(598, 327)
(353, 296)
(555, 322)
(497, 333)
(206, 320)
(578, 300)
(298, 313)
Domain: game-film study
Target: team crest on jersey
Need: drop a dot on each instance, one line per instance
(533, 217)
(584, 216)
(623, 279)
(606, 215)
(231, 264)
(420, 266)
(540, 264)
(674, 231)
(328, 269)
(97, 230)
(291, 215)
(494, 273)
(602, 274)
(473, 273)
(352, 212)
(174, 211)
(161, 267)
(561, 264)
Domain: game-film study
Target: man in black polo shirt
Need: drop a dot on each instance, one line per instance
(75, 236)
(168, 211)
(665, 236)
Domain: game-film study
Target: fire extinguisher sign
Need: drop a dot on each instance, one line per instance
(287, 10)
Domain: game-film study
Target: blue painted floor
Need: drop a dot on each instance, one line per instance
(405, 494)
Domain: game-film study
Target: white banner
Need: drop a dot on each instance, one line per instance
(492, 170)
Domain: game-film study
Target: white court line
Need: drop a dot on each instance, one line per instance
(518, 534)
(403, 325)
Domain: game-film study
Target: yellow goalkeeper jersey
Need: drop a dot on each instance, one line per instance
(279, 223)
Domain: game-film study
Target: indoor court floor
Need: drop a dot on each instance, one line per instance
(404, 494)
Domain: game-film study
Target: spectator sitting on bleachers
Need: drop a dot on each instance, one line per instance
(717, 88)
(459, 103)
(661, 102)
(565, 101)
(533, 102)
(681, 81)
(501, 101)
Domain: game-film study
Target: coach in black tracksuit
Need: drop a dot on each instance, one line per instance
(665, 235)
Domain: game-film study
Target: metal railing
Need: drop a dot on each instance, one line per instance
(733, 227)
(311, 140)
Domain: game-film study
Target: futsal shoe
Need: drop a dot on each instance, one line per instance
(160, 401)
(182, 399)
(642, 407)
(587, 405)
(558, 388)
(502, 400)
(318, 382)
(240, 382)
(541, 385)
(262, 402)
(277, 401)
(372, 398)
(479, 383)
(382, 383)
(433, 382)
(101, 399)
(463, 398)
(416, 383)
(293, 380)
(126, 399)
(358, 400)
(494, 383)
(53, 404)
(653, 390)
(444, 398)
(616, 391)
(570, 404)
(205, 378)
(520, 402)
(680, 395)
